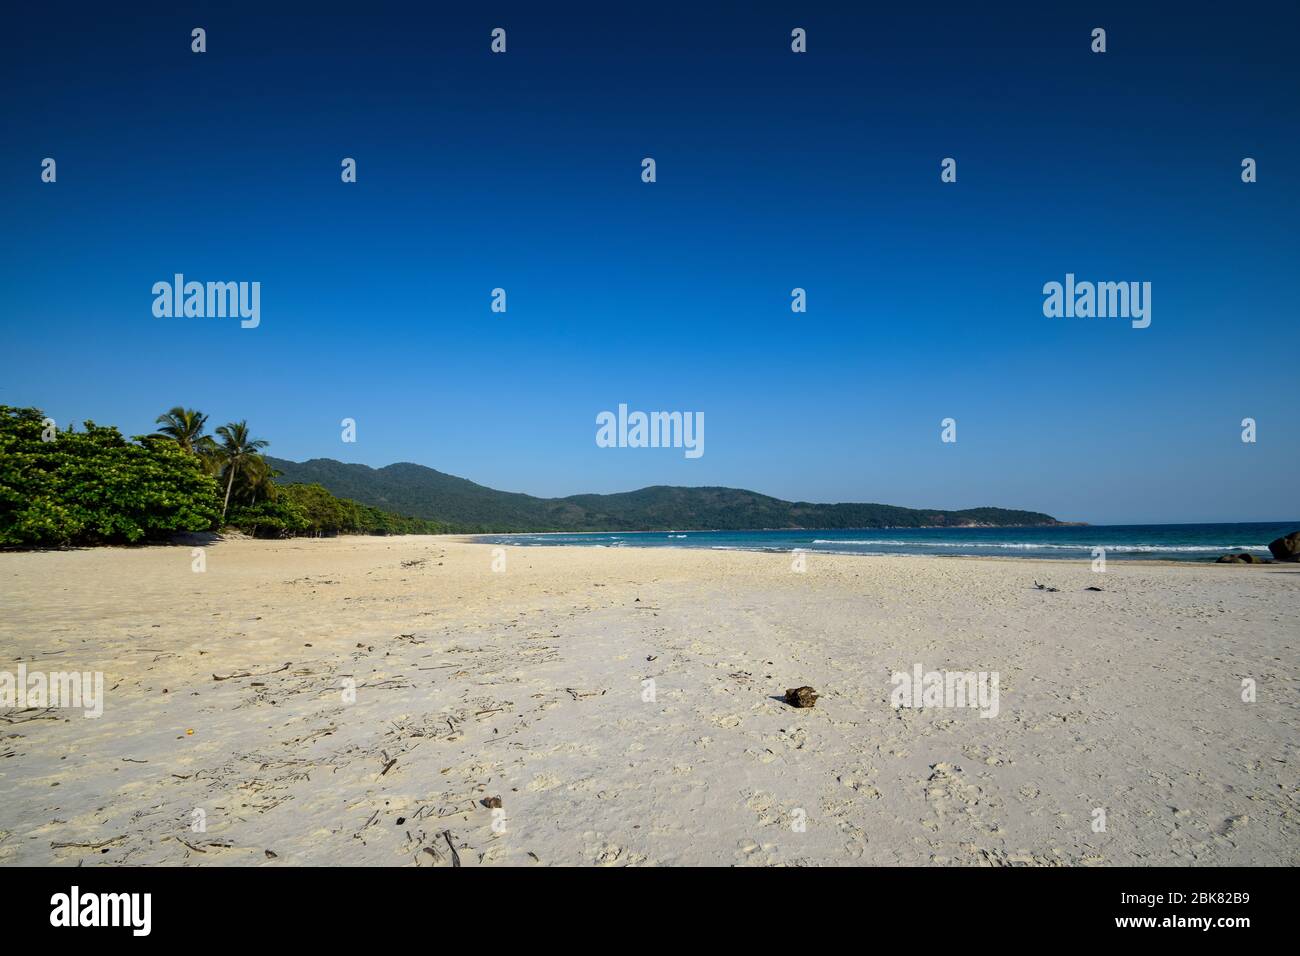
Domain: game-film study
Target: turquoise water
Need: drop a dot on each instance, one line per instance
(1162, 542)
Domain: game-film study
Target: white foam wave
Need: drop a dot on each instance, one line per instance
(1041, 546)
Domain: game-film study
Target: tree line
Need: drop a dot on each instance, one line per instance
(95, 486)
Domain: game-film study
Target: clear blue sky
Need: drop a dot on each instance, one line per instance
(775, 170)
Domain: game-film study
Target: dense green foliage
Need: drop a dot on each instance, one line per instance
(94, 486)
(416, 490)
(311, 510)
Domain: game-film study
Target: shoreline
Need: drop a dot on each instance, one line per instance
(476, 539)
(1118, 557)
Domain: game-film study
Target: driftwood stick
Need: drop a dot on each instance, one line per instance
(88, 846)
(455, 857)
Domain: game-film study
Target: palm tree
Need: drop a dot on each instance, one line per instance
(183, 426)
(256, 480)
(238, 451)
(210, 455)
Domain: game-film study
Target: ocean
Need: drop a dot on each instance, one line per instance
(1151, 542)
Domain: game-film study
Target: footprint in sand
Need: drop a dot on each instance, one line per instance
(603, 853)
(754, 853)
(987, 755)
(542, 782)
(859, 786)
(947, 793)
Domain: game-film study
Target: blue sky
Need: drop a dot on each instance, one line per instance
(775, 170)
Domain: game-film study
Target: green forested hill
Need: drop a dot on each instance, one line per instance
(425, 493)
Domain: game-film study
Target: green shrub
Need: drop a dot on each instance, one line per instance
(268, 519)
(94, 486)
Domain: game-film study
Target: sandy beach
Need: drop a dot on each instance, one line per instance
(229, 735)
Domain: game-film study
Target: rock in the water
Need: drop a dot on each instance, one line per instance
(801, 696)
(1287, 547)
(1237, 557)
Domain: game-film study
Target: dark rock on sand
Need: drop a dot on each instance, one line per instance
(492, 803)
(1287, 547)
(801, 696)
(1238, 557)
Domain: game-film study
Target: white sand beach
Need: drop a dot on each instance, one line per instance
(527, 684)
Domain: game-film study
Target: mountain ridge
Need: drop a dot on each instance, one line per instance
(422, 492)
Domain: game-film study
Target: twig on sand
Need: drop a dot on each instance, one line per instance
(211, 846)
(455, 857)
(88, 846)
(284, 667)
